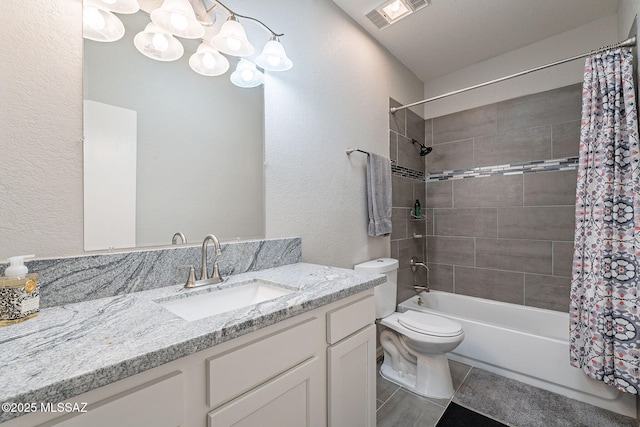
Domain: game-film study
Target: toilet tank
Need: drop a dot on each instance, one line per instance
(385, 293)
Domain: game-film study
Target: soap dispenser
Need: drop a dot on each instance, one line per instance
(19, 293)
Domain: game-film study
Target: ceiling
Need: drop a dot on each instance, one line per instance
(449, 35)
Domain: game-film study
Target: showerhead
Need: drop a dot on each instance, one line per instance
(424, 150)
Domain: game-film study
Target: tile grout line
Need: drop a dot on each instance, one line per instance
(454, 395)
(388, 398)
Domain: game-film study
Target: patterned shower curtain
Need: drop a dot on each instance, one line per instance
(604, 308)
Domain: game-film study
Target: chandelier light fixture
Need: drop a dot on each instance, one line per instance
(184, 19)
(273, 56)
(178, 18)
(99, 23)
(158, 44)
(246, 75)
(208, 61)
(232, 39)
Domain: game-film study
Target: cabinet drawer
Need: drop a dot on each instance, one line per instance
(235, 372)
(348, 319)
(156, 403)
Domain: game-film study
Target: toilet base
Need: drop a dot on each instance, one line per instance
(431, 376)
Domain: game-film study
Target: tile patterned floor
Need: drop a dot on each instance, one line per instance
(508, 401)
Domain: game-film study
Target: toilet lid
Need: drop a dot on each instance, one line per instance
(430, 324)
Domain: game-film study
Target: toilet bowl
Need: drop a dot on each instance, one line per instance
(415, 346)
(414, 343)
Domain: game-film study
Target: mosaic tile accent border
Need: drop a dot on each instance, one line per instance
(567, 163)
(406, 172)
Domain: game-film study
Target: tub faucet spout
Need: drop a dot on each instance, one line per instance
(414, 263)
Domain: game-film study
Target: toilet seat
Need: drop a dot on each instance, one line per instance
(429, 324)
(419, 326)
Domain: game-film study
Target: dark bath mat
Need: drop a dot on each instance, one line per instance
(459, 416)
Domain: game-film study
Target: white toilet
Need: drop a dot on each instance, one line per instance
(414, 343)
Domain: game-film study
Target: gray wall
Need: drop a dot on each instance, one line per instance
(336, 96)
(507, 237)
(407, 186)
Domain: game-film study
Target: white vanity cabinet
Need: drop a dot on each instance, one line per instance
(351, 365)
(315, 369)
(277, 381)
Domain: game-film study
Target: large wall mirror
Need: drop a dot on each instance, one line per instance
(170, 150)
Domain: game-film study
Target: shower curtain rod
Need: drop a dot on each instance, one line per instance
(626, 43)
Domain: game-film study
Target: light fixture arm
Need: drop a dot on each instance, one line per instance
(232, 13)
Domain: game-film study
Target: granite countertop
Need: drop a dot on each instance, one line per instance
(75, 348)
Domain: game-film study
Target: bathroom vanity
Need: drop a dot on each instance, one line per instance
(303, 359)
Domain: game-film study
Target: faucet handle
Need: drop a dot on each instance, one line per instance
(216, 273)
(191, 280)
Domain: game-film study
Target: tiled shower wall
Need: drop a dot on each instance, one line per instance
(505, 236)
(408, 184)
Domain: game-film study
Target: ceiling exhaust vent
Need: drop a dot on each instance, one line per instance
(378, 19)
(418, 4)
(393, 11)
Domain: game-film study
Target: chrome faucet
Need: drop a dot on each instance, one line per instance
(414, 263)
(204, 275)
(178, 235)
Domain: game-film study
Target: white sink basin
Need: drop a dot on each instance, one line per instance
(205, 304)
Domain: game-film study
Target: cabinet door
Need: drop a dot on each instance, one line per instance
(293, 399)
(240, 370)
(352, 380)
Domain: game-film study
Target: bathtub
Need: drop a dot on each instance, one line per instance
(527, 344)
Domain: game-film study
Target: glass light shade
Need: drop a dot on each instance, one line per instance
(396, 10)
(157, 44)
(208, 61)
(232, 39)
(99, 24)
(246, 75)
(273, 57)
(177, 17)
(121, 6)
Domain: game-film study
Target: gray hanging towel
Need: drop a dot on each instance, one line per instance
(379, 194)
